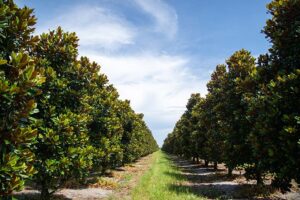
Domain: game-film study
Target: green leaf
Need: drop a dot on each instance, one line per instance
(28, 72)
(271, 152)
(2, 62)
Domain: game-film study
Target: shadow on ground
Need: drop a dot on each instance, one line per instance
(36, 196)
(206, 182)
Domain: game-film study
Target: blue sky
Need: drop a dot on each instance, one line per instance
(158, 52)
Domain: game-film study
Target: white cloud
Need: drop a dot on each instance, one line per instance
(156, 85)
(95, 26)
(164, 15)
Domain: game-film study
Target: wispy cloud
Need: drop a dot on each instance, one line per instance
(157, 85)
(165, 16)
(96, 27)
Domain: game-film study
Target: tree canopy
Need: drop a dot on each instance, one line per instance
(250, 116)
(60, 118)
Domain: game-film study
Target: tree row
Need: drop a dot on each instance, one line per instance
(60, 118)
(250, 117)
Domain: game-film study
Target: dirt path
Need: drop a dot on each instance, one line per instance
(129, 177)
(206, 182)
(117, 184)
(200, 181)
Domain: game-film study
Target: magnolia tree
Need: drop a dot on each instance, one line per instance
(20, 79)
(251, 112)
(275, 108)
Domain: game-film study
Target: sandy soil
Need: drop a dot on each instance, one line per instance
(130, 177)
(64, 194)
(200, 180)
(205, 181)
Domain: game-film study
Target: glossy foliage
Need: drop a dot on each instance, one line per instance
(60, 119)
(250, 116)
(19, 81)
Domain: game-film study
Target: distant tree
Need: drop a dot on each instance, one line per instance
(188, 127)
(215, 113)
(200, 136)
(105, 129)
(117, 134)
(137, 139)
(185, 132)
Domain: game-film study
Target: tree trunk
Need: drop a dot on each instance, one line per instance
(45, 194)
(8, 197)
(206, 163)
(230, 171)
(215, 165)
(198, 161)
(259, 180)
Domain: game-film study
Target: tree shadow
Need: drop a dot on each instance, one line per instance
(202, 177)
(204, 181)
(224, 191)
(176, 176)
(203, 191)
(34, 195)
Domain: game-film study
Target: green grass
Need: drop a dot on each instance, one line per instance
(162, 181)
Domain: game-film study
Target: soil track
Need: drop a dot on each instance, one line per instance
(210, 183)
(196, 178)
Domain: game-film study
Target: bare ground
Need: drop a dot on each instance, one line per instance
(130, 177)
(198, 179)
(116, 184)
(210, 183)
